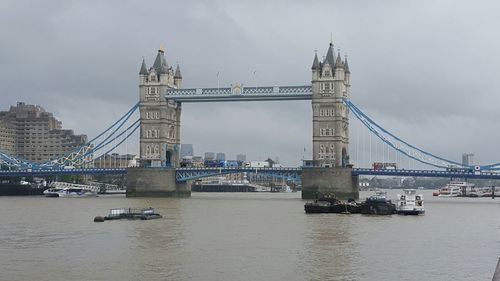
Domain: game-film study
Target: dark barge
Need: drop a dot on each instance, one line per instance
(17, 189)
(377, 204)
(332, 205)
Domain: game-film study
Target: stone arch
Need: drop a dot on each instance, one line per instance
(168, 158)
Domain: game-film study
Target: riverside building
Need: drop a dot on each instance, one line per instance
(28, 131)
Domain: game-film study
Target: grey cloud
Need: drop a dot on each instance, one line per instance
(425, 70)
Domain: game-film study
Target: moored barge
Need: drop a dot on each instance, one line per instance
(130, 214)
(378, 204)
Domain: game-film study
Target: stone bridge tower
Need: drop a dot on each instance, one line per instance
(331, 172)
(330, 83)
(160, 118)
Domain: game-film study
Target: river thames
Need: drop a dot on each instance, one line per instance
(245, 236)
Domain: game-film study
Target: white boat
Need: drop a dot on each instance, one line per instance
(69, 192)
(473, 191)
(488, 191)
(410, 203)
(455, 188)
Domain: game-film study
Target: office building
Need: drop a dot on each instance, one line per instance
(241, 157)
(467, 159)
(209, 156)
(187, 150)
(28, 131)
(220, 156)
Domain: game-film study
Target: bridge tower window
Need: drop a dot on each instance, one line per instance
(171, 132)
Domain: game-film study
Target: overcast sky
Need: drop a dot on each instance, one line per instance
(428, 71)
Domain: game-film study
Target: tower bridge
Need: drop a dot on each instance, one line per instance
(160, 105)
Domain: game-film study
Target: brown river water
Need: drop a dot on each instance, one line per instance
(245, 236)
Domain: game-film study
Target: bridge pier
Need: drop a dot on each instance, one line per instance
(155, 182)
(338, 181)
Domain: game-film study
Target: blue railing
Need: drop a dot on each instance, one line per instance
(427, 173)
(185, 174)
(55, 172)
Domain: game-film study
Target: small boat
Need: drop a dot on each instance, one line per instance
(410, 203)
(455, 189)
(473, 191)
(378, 204)
(69, 192)
(493, 191)
(131, 214)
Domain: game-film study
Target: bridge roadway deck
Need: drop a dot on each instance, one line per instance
(77, 171)
(427, 173)
(184, 174)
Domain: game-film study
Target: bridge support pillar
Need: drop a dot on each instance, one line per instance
(155, 182)
(338, 181)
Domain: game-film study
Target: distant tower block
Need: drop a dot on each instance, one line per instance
(220, 156)
(160, 118)
(330, 83)
(241, 157)
(468, 159)
(187, 150)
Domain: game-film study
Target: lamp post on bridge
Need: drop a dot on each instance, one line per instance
(218, 82)
(255, 78)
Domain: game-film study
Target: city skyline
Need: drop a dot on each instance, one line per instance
(419, 69)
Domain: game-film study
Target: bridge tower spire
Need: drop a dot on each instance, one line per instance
(330, 85)
(178, 77)
(160, 118)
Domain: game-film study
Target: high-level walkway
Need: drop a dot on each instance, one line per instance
(240, 94)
